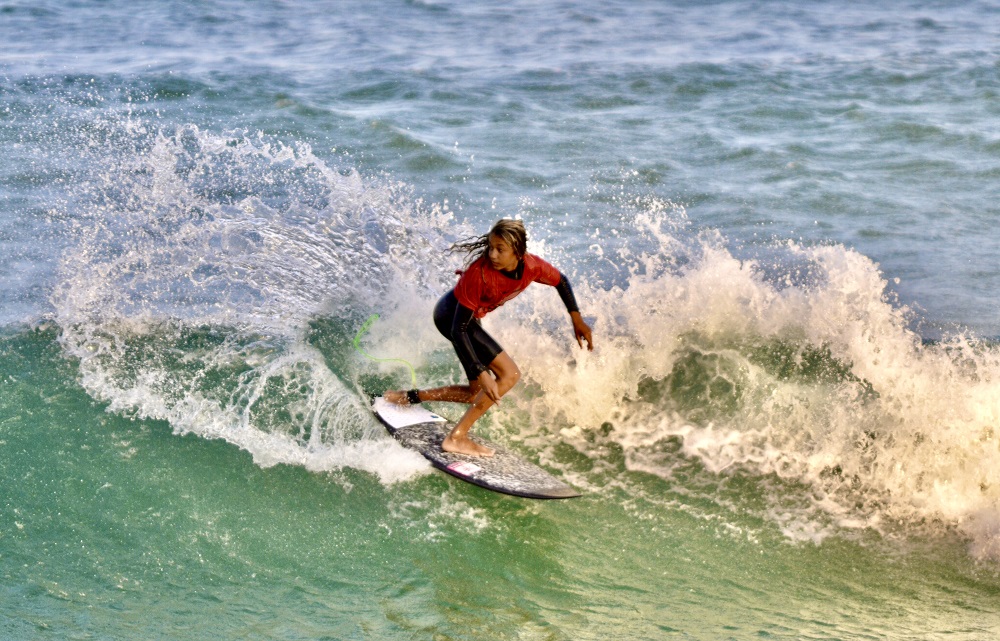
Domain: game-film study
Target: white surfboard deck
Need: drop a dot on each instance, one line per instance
(420, 429)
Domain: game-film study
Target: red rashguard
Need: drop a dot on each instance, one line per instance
(482, 288)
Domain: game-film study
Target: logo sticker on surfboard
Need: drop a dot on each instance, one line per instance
(464, 467)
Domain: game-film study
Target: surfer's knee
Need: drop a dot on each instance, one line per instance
(509, 377)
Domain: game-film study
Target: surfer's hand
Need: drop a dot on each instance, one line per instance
(489, 385)
(582, 331)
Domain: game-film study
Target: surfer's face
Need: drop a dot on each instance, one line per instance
(502, 256)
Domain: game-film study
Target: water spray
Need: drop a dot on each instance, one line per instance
(357, 345)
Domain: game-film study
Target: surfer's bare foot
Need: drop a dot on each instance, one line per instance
(465, 445)
(397, 397)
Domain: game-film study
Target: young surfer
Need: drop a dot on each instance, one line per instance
(497, 269)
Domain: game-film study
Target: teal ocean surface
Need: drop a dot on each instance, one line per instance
(779, 218)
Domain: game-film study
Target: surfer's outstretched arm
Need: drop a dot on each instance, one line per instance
(580, 327)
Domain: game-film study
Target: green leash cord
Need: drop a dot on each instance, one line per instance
(357, 345)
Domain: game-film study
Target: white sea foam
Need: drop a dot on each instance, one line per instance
(818, 379)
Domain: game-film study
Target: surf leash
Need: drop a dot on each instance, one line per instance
(357, 345)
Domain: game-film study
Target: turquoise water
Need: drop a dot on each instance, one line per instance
(777, 216)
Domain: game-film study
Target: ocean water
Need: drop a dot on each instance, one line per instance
(778, 216)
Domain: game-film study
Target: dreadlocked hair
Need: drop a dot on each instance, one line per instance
(508, 230)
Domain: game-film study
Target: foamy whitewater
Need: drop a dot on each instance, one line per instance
(777, 222)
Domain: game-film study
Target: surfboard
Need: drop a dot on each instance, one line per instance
(418, 428)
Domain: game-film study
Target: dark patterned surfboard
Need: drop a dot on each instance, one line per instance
(422, 430)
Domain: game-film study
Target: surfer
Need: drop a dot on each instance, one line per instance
(498, 267)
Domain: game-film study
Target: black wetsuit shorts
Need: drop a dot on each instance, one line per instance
(476, 349)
